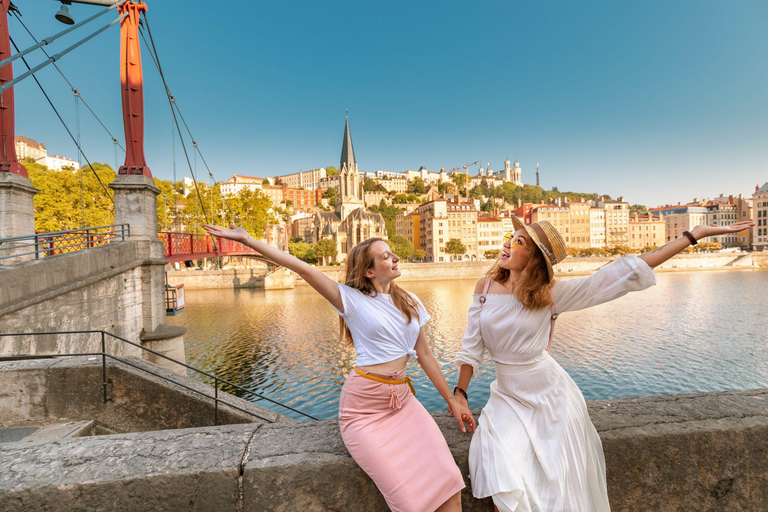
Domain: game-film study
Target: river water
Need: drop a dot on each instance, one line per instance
(692, 332)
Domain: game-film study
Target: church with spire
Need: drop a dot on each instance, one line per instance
(350, 223)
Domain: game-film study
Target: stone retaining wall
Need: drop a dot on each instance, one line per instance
(704, 452)
(253, 277)
(106, 288)
(67, 389)
(568, 267)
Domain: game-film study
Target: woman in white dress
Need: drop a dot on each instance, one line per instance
(535, 448)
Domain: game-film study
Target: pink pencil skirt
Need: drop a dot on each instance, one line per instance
(396, 442)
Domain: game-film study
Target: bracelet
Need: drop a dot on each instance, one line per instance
(690, 237)
(461, 391)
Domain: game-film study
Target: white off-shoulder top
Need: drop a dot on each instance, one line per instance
(379, 330)
(515, 334)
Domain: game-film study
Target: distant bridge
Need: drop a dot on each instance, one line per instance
(192, 246)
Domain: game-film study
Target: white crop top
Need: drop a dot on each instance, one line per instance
(379, 330)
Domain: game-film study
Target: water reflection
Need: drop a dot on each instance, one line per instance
(693, 332)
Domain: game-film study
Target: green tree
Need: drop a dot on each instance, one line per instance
(446, 186)
(419, 254)
(370, 185)
(619, 250)
(60, 205)
(461, 180)
(492, 254)
(251, 209)
(168, 218)
(331, 195)
(389, 212)
(454, 247)
(416, 186)
(331, 171)
(401, 246)
(303, 251)
(325, 250)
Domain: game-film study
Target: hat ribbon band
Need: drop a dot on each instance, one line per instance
(547, 253)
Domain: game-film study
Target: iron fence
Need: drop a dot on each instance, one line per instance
(44, 245)
(217, 381)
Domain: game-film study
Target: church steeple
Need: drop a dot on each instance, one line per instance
(347, 151)
(350, 196)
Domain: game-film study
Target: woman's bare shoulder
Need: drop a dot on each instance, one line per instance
(480, 285)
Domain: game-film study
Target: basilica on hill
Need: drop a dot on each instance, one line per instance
(350, 223)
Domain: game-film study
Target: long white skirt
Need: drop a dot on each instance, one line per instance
(535, 448)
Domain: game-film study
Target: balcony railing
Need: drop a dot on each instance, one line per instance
(44, 245)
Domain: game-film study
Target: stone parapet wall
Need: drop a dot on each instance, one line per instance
(106, 288)
(760, 259)
(670, 453)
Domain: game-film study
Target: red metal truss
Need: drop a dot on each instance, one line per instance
(132, 80)
(8, 159)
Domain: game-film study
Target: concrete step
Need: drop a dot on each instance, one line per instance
(43, 433)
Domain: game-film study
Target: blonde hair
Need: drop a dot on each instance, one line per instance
(359, 261)
(532, 287)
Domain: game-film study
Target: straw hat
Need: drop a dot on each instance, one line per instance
(548, 241)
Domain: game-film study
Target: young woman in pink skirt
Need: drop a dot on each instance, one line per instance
(386, 430)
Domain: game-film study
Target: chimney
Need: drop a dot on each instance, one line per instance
(757, 187)
(620, 199)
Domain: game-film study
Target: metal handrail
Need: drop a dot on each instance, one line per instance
(105, 355)
(45, 244)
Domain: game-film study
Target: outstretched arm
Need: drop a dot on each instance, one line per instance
(326, 286)
(431, 367)
(658, 256)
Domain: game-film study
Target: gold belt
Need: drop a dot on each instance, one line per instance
(368, 376)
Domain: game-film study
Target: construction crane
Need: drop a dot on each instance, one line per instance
(466, 168)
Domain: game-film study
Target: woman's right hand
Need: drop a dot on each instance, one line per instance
(233, 233)
(460, 411)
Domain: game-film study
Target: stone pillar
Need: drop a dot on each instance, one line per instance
(136, 205)
(17, 212)
(169, 341)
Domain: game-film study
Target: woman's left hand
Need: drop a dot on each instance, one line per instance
(704, 231)
(462, 414)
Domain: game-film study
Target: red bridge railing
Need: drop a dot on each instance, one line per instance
(189, 246)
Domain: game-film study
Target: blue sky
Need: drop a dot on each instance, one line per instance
(657, 101)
